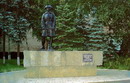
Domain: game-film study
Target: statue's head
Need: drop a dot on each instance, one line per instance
(48, 7)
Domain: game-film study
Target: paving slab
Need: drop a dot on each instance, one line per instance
(103, 76)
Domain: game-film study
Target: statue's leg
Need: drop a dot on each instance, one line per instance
(43, 42)
(50, 43)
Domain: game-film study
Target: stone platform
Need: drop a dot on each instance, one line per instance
(103, 76)
(41, 64)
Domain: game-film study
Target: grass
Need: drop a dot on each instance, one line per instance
(121, 63)
(11, 65)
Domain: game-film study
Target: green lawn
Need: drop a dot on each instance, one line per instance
(121, 63)
(11, 65)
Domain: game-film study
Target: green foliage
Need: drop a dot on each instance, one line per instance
(13, 18)
(79, 6)
(118, 62)
(19, 31)
(114, 14)
(125, 45)
(94, 32)
(68, 36)
(95, 35)
(111, 13)
(10, 66)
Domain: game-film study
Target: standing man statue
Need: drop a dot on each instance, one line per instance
(48, 24)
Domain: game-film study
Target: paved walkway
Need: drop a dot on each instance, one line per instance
(103, 76)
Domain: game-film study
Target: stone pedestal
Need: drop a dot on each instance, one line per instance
(61, 63)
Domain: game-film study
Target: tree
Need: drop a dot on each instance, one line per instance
(10, 20)
(3, 23)
(68, 35)
(116, 15)
(21, 24)
(95, 35)
(19, 34)
(14, 21)
(110, 13)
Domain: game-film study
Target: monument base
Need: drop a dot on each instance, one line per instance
(61, 63)
(62, 71)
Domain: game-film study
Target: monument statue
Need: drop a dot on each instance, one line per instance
(48, 24)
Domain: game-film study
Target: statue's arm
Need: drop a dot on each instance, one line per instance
(42, 22)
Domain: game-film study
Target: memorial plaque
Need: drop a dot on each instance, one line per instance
(87, 57)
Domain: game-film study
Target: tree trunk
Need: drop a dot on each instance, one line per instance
(128, 46)
(3, 47)
(27, 44)
(125, 46)
(9, 55)
(18, 54)
(18, 43)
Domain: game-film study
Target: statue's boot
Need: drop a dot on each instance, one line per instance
(50, 45)
(50, 49)
(43, 43)
(42, 49)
